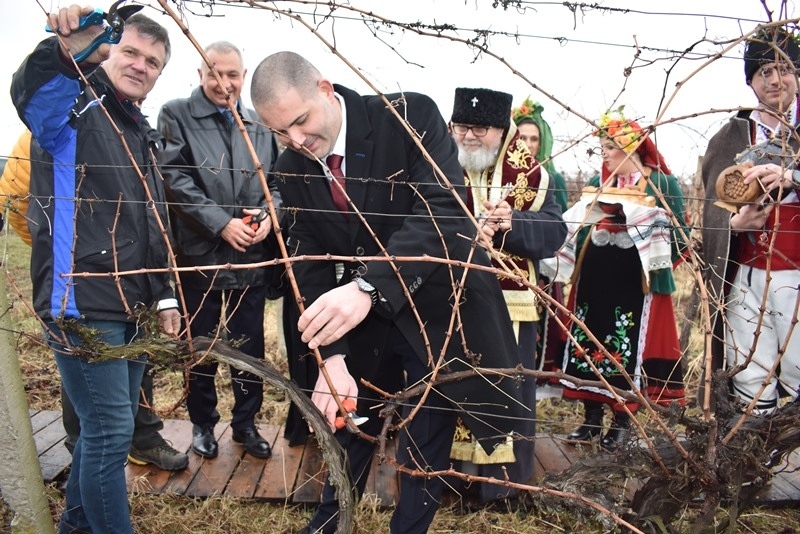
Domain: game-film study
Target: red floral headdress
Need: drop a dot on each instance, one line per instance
(629, 136)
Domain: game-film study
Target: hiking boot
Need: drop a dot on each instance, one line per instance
(163, 456)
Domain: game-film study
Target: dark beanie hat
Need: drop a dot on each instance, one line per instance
(482, 107)
(763, 48)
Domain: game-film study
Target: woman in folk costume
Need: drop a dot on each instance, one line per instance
(622, 280)
(538, 136)
(536, 133)
(512, 197)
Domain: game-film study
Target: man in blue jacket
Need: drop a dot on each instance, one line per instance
(100, 209)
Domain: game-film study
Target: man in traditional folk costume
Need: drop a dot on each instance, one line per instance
(512, 198)
(753, 253)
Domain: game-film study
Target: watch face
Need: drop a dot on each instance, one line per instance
(365, 286)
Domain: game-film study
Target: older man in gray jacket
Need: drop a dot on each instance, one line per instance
(217, 203)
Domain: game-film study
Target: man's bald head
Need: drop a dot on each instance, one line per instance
(280, 72)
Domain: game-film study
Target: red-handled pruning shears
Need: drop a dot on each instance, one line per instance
(114, 22)
(358, 420)
(254, 221)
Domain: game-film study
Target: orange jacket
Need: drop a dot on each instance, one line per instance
(15, 186)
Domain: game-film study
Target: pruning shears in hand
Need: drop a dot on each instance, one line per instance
(113, 22)
(254, 221)
(349, 405)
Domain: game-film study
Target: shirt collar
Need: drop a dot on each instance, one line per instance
(222, 109)
(341, 138)
(764, 132)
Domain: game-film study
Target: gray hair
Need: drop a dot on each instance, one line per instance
(278, 73)
(223, 47)
(152, 29)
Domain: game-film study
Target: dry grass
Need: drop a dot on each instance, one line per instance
(175, 514)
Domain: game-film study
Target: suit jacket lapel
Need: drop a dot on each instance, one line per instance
(358, 155)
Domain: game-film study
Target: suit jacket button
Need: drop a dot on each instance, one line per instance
(359, 251)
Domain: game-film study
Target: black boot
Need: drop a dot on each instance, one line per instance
(592, 423)
(618, 432)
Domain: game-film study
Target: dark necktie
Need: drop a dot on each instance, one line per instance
(334, 162)
(228, 114)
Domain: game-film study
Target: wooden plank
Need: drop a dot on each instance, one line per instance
(49, 436)
(180, 481)
(789, 471)
(572, 454)
(244, 482)
(538, 471)
(774, 495)
(279, 476)
(550, 454)
(311, 476)
(383, 479)
(43, 419)
(54, 462)
(149, 478)
(298, 473)
(779, 483)
(214, 475)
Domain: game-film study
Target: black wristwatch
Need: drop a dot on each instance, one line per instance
(368, 288)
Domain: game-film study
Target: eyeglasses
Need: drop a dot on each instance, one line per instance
(782, 69)
(477, 131)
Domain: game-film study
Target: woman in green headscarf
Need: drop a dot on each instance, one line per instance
(536, 133)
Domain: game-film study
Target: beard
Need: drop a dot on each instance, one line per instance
(477, 160)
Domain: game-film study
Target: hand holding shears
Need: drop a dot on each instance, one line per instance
(86, 29)
(358, 420)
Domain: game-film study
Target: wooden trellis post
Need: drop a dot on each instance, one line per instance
(20, 473)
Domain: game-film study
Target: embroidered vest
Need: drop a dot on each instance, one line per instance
(524, 183)
(753, 245)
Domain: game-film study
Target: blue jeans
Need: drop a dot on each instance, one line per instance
(105, 396)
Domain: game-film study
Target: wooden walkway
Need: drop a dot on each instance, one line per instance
(296, 474)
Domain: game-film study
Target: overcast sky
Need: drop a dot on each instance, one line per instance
(579, 58)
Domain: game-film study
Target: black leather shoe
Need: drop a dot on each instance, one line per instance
(617, 434)
(592, 423)
(585, 432)
(203, 442)
(253, 442)
(614, 438)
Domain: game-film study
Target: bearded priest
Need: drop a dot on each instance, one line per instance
(512, 198)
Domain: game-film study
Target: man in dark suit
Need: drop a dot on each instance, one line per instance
(376, 319)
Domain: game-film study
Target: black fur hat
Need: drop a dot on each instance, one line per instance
(482, 107)
(761, 48)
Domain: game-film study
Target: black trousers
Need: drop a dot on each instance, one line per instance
(147, 423)
(244, 324)
(426, 442)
